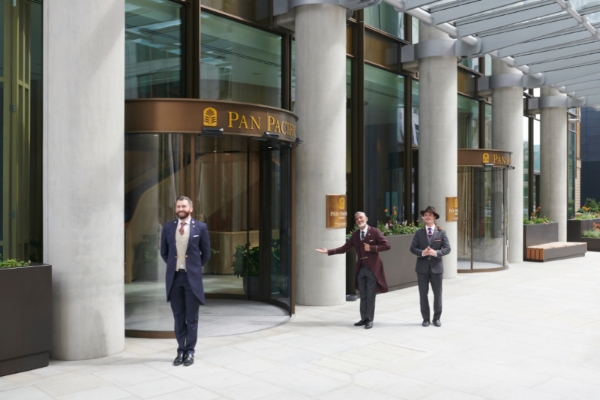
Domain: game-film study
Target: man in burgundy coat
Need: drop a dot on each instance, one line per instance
(370, 278)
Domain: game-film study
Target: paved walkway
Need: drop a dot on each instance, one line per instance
(530, 332)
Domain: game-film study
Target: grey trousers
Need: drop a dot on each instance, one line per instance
(367, 286)
(436, 285)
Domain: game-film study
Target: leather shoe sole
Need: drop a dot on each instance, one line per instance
(178, 360)
(189, 360)
(425, 323)
(369, 325)
(437, 323)
(360, 323)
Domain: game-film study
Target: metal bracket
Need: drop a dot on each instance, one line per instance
(536, 104)
(438, 48)
(283, 6)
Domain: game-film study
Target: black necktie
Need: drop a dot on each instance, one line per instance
(429, 234)
(362, 235)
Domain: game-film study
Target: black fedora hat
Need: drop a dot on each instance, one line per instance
(431, 210)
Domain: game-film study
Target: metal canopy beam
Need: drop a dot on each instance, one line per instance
(587, 92)
(575, 87)
(518, 36)
(508, 17)
(564, 64)
(559, 53)
(555, 77)
(540, 44)
(466, 10)
(411, 4)
(577, 79)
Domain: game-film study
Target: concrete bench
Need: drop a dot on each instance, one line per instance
(555, 251)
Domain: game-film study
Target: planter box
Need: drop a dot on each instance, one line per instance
(593, 244)
(576, 227)
(398, 264)
(539, 234)
(25, 318)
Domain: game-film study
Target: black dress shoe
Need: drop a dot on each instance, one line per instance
(437, 323)
(188, 360)
(361, 322)
(425, 322)
(368, 324)
(179, 359)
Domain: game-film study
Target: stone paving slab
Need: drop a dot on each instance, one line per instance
(529, 332)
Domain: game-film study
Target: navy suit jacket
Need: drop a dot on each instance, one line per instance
(197, 254)
(439, 242)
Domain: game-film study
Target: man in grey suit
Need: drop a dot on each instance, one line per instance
(430, 244)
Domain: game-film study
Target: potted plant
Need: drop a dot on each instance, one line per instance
(538, 229)
(245, 265)
(25, 315)
(592, 237)
(584, 219)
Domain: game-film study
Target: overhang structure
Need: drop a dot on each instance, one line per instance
(555, 43)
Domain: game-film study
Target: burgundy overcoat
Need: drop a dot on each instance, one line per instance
(378, 243)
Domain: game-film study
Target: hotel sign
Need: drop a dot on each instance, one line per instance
(451, 209)
(194, 116)
(482, 158)
(337, 212)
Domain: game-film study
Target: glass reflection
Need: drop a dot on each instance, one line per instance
(239, 62)
(252, 10)
(21, 96)
(153, 60)
(385, 18)
(384, 145)
(468, 123)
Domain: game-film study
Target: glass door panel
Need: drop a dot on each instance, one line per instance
(488, 218)
(465, 213)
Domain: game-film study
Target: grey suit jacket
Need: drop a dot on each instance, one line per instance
(439, 242)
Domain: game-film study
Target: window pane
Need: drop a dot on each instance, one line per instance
(384, 145)
(488, 127)
(472, 63)
(239, 62)
(380, 50)
(252, 10)
(385, 18)
(153, 60)
(415, 113)
(525, 167)
(468, 123)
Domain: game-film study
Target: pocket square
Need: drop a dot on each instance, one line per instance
(196, 235)
(370, 240)
(437, 240)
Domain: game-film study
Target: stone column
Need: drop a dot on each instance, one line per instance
(507, 134)
(553, 167)
(84, 174)
(438, 140)
(321, 159)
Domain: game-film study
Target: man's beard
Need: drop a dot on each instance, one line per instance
(362, 226)
(184, 216)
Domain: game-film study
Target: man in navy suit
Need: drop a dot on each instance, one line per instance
(430, 244)
(185, 247)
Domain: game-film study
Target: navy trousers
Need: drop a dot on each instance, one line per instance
(185, 308)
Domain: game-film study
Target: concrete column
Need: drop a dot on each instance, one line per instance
(553, 167)
(84, 174)
(438, 140)
(321, 159)
(507, 134)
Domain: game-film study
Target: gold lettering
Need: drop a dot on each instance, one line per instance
(284, 129)
(496, 158)
(233, 116)
(271, 121)
(243, 122)
(254, 122)
(277, 127)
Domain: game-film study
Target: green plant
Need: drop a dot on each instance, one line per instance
(12, 263)
(245, 260)
(593, 233)
(147, 249)
(396, 228)
(536, 218)
(585, 215)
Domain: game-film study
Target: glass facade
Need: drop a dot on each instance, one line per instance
(384, 145)
(468, 123)
(385, 18)
(21, 123)
(240, 62)
(153, 49)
